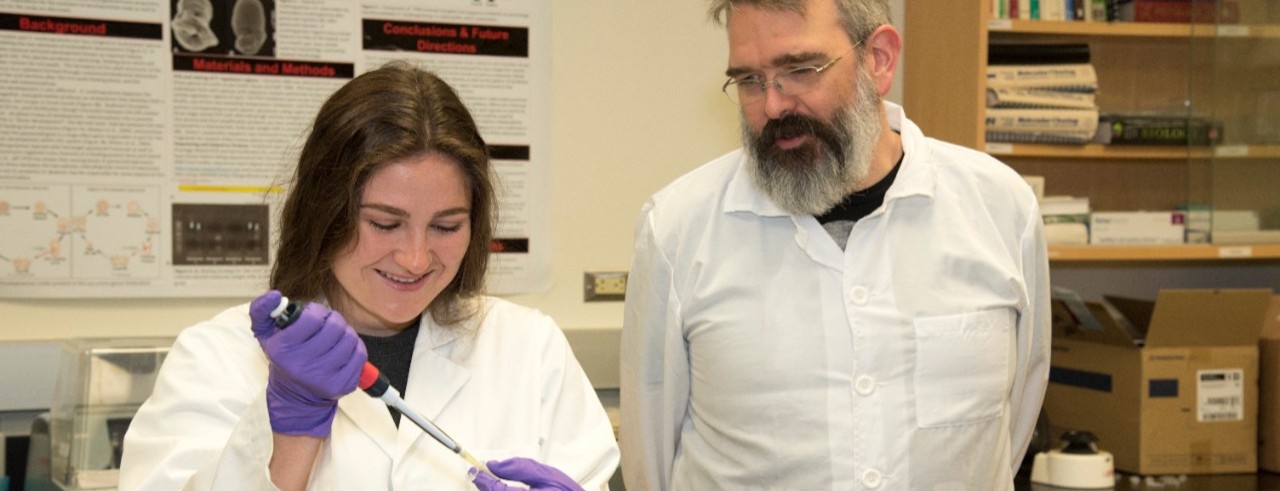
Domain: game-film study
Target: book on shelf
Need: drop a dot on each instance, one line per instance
(1048, 138)
(1064, 205)
(1041, 98)
(1119, 9)
(1079, 10)
(1052, 10)
(1066, 229)
(1066, 219)
(1037, 54)
(1057, 10)
(1056, 219)
(1137, 227)
(1183, 11)
(1037, 185)
(1042, 120)
(1155, 129)
(1097, 10)
(1079, 77)
(1226, 226)
(1174, 11)
(1066, 233)
(1228, 237)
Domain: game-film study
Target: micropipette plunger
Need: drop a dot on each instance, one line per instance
(376, 385)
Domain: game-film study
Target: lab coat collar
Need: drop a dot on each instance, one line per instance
(430, 360)
(916, 177)
(743, 195)
(444, 377)
(918, 174)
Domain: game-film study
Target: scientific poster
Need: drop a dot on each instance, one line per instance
(145, 145)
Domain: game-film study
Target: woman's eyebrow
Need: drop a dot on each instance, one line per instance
(461, 210)
(385, 209)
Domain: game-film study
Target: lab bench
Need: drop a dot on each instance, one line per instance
(1261, 481)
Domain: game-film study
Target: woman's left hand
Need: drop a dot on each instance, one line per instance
(538, 476)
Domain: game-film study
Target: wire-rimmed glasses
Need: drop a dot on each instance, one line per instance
(751, 89)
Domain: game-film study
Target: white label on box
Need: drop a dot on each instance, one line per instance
(1233, 31)
(1235, 251)
(999, 148)
(1219, 395)
(1231, 151)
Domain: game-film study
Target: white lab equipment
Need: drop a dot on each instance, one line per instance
(1077, 465)
(101, 383)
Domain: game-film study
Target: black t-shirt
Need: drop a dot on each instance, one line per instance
(392, 355)
(839, 220)
(861, 203)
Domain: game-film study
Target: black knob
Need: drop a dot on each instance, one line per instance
(1080, 442)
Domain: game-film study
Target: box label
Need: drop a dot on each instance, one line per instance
(1219, 395)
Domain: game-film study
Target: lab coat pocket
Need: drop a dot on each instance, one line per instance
(962, 366)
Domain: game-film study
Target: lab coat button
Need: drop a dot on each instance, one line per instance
(864, 385)
(871, 478)
(859, 295)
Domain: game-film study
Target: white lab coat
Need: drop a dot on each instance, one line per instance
(756, 354)
(510, 387)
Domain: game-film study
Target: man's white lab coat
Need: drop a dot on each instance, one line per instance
(758, 354)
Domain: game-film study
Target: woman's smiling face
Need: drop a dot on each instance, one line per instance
(413, 230)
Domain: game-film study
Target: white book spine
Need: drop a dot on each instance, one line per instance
(1031, 97)
(1074, 76)
(1067, 121)
(1137, 228)
(1052, 9)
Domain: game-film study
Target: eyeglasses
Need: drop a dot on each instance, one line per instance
(751, 89)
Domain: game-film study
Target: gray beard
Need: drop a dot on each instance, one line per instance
(814, 178)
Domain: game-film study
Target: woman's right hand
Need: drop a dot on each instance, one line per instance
(314, 361)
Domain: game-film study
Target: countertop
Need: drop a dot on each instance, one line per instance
(1262, 481)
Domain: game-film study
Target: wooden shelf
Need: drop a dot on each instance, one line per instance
(1097, 151)
(1246, 151)
(1092, 150)
(1094, 29)
(1190, 252)
(1132, 29)
(1141, 67)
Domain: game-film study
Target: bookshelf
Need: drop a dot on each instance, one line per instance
(1227, 72)
(1189, 252)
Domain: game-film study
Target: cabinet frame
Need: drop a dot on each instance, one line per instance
(944, 64)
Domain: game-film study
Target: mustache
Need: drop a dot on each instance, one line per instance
(794, 125)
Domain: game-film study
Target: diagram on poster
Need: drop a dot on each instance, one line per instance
(61, 231)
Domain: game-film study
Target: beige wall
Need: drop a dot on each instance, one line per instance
(635, 103)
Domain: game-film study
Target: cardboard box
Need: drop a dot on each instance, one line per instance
(1169, 387)
(1269, 384)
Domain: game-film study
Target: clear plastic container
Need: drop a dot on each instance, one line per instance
(101, 383)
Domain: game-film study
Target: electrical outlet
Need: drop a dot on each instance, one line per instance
(607, 286)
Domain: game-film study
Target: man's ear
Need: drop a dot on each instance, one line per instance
(885, 44)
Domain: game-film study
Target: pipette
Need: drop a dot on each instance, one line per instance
(374, 383)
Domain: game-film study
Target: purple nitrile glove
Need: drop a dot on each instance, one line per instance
(314, 361)
(539, 477)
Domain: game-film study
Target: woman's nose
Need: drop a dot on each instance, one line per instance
(415, 253)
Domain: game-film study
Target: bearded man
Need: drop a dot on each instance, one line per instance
(841, 304)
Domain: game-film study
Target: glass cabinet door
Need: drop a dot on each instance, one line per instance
(1241, 90)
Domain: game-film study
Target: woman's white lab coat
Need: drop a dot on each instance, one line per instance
(507, 387)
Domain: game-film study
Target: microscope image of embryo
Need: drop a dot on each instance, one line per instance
(191, 25)
(249, 22)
